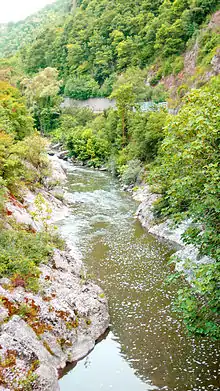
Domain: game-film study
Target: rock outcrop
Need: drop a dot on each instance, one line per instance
(168, 231)
(40, 333)
(59, 325)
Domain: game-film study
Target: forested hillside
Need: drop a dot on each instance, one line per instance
(104, 38)
(15, 35)
(133, 52)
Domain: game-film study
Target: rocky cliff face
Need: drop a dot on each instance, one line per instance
(40, 333)
(191, 77)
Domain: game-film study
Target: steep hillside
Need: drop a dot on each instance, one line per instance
(15, 35)
(104, 38)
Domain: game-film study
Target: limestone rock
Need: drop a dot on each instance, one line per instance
(71, 315)
(46, 379)
(168, 231)
(68, 314)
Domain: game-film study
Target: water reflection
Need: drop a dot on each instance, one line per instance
(116, 374)
(148, 348)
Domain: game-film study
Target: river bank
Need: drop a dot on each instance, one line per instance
(42, 332)
(148, 347)
(187, 256)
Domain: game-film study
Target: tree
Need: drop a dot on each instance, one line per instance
(125, 100)
(129, 91)
(42, 95)
(14, 117)
(81, 87)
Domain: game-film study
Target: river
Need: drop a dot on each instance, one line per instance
(147, 347)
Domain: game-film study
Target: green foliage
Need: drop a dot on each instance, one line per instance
(21, 253)
(15, 35)
(42, 96)
(101, 39)
(70, 119)
(187, 172)
(178, 65)
(23, 159)
(198, 304)
(81, 87)
(209, 42)
(23, 163)
(83, 134)
(131, 172)
(3, 192)
(88, 146)
(188, 164)
(129, 90)
(146, 134)
(14, 117)
(159, 95)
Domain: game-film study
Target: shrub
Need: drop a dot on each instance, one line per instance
(178, 65)
(23, 163)
(22, 252)
(81, 87)
(209, 41)
(14, 116)
(198, 304)
(131, 172)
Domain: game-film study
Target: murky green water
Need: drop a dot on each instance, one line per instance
(147, 347)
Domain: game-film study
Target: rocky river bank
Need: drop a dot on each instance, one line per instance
(187, 256)
(65, 318)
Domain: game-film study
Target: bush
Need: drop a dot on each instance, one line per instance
(178, 65)
(3, 192)
(88, 146)
(188, 163)
(22, 163)
(198, 304)
(209, 41)
(131, 172)
(81, 87)
(159, 94)
(14, 116)
(146, 131)
(21, 253)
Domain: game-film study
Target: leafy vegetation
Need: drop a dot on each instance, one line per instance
(187, 166)
(199, 304)
(21, 253)
(124, 51)
(186, 172)
(103, 38)
(23, 164)
(14, 118)
(15, 35)
(42, 97)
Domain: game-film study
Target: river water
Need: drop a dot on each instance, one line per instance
(147, 347)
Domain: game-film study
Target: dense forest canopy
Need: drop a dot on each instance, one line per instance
(14, 35)
(91, 44)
